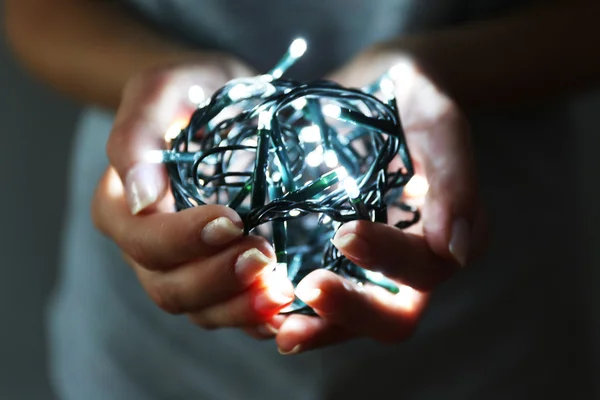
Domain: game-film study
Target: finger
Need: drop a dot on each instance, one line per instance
(302, 333)
(163, 240)
(150, 104)
(367, 310)
(267, 330)
(266, 298)
(438, 137)
(398, 255)
(196, 285)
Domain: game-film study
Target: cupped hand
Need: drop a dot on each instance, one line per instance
(451, 233)
(197, 261)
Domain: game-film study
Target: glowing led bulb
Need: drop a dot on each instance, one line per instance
(331, 159)
(295, 213)
(196, 94)
(348, 183)
(295, 51)
(341, 173)
(310, 134)
(416, 187)
(239, 92)
(387, 87)
(332, 111)
(399, 71)
(276, 176)
(264, 120)
(154, 156)
(351, 188)
(298, 48)
(300, 103)
(315, 157)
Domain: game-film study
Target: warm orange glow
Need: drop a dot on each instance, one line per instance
(114, 187)
(175, 129)
(417, 187)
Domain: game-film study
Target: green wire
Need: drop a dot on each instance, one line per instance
(314, 188)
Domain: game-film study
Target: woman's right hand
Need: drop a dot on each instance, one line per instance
(197, 261)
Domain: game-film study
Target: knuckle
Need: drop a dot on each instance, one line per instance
(150, 83)
(165, 296)
(138, 249)
(134, 248)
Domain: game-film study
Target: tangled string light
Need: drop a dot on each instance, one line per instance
(296, 161)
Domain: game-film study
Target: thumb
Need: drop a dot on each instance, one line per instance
(150, 105)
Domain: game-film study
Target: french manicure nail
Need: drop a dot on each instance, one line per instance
(353, 246)
(345, 241)
(220, 231)
(294, 350)
(250, 264)
(141, 187)
(307, 295)
(459, 241)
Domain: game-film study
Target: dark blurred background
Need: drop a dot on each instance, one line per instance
(36, 130)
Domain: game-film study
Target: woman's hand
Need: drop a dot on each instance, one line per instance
(197, 261)
(451, 232)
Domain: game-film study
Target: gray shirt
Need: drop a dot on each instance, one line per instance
(504, 329)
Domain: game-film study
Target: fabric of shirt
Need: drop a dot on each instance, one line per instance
(509, 327)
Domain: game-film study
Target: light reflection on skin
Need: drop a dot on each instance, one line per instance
(175, 128)
(114, 187)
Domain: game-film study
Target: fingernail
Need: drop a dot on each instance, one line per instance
(307, 295)
(345, 241)
(220, 231)
(141, 187)
(294, 350)
(275, 295)
(459, 241)
(250, 264)
(352, 245)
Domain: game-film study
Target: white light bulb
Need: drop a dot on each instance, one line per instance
(196, 94)
(315, 158)
(276, 176)
(299, 103)
(310, 134)
(264, 120)
(298, 48)
(387, 87)
(351, 188)
(416, 187)
(239, 92)
(341, 173)
(399, 71)
(277, 73)
(331, 110)
(331, 159)
(295, 213)
(326, 219)
(154, 157)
